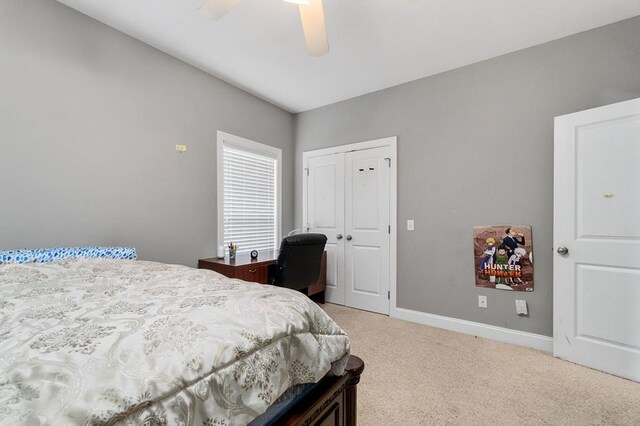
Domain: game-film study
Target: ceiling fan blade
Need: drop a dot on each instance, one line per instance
(315, 31)
(216, 9)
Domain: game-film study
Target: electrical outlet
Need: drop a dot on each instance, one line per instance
(482, 301)
(410, 225)
(521, 307)
(181, 148)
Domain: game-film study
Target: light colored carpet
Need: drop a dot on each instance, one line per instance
(420, 375)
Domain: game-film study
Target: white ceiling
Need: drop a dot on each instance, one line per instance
(375, 44)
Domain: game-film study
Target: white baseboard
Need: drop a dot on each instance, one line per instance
(501, 334)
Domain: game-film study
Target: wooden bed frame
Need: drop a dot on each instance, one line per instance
(333, 402)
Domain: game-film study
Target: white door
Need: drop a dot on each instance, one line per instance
(325, 215)
(596, 278)
(367, 230)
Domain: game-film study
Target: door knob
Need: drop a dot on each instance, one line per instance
(349, 237)
(563, 250)
(339, 236)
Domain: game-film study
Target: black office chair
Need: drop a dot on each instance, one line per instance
(299, 262)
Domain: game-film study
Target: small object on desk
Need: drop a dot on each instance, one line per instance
(232, 251)
(220, 252)
(254, 254)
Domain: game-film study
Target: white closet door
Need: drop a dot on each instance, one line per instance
(367, 238)
(325, 215)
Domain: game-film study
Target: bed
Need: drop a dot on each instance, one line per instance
(95, 337)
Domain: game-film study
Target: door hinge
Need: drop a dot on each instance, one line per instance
(389, 294)
(388, 160)
(389, 228)
(307, 170)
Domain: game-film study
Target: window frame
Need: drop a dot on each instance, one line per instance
(244, 144)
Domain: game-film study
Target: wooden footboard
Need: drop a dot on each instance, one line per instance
(332, 403)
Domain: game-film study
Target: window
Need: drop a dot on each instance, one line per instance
(249, 186)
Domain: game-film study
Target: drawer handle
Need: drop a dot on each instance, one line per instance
(252, 271)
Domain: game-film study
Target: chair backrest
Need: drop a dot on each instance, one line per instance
(300, 260)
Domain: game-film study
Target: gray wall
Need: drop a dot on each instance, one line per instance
(89, 120)
(475, 147)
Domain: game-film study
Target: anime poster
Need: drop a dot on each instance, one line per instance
(503, 257)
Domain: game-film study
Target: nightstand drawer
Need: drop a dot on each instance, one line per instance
(252, 273)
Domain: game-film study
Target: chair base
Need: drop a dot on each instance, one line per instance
(318, 297)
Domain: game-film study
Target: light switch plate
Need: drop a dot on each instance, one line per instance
(410, 225)
(521, 307)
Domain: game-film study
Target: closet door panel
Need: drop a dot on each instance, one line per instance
(367, 230)
(325, 215)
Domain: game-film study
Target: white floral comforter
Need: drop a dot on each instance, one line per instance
(97, 341)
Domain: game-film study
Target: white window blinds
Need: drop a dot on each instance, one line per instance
(250, 199)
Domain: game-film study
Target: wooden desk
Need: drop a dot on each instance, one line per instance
(247, 269)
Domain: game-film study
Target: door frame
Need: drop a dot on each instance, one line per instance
(392, 143)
